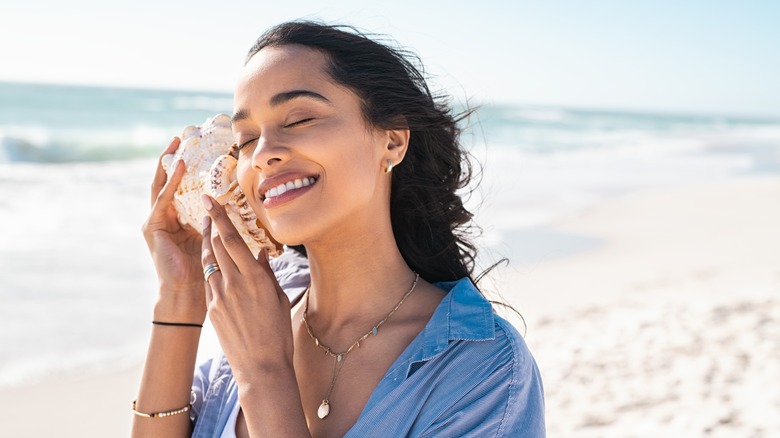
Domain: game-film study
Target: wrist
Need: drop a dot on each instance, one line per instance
(272, 402)
(190, 308)
(261, 374)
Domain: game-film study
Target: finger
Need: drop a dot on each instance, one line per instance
(160, 175)
(165, 197)
(222, 255)
(208, 257)
(230, 238)
(264, 261)
(209, 295)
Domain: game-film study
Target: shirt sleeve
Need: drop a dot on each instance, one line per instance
(200, 385)
(507, 401)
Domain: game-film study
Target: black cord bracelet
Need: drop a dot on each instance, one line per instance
(177, 324)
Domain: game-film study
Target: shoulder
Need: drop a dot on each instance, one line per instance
(524, 408)
(504, 351)
(486, 375)
(499, 372)
(501, 351)
(512, 345)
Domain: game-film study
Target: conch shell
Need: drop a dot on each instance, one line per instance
(211, 156)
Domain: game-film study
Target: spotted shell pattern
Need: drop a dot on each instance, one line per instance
(210, 154)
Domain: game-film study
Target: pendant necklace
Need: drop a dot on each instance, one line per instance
(340, 358)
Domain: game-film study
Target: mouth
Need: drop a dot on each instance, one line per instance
(287, 186)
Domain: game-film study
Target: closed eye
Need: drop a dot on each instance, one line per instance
(299, 122)
(246, 143)
(291, 125)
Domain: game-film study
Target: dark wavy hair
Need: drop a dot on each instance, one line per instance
(431, 225)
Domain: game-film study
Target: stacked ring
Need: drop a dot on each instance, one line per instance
(210, 269)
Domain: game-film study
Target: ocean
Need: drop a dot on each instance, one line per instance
(76, 163)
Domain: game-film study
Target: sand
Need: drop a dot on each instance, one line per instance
(670, 327)
(96, 405)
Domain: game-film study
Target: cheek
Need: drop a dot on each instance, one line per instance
(247, 183)
(244, 177)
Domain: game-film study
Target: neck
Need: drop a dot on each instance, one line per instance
(356, 281)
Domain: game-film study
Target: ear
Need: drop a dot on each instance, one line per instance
(397, 145)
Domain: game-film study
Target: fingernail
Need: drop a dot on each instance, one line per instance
(206, 202)
(206, 222)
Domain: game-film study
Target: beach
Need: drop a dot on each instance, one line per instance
(643, 255)
(670, 327)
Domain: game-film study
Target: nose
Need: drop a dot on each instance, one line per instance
(268, 153)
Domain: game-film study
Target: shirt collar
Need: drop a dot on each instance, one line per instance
(463, 314)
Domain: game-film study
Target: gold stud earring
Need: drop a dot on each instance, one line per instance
(389, 166)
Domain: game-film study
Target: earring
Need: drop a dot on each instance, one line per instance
(389, 166)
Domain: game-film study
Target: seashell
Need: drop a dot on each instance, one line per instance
(210, 153)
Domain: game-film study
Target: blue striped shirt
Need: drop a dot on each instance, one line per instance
(468, 373)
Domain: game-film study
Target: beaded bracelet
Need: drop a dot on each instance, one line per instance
(161, 414)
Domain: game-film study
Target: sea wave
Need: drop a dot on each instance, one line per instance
(552, 131)
(37, 144)
(138, 125)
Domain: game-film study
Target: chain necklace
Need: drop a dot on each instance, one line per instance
(340, 358)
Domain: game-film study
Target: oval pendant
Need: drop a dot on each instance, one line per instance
(323, 410)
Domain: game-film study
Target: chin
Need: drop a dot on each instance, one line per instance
(288, 232)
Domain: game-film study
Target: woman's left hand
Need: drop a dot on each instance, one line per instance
(249, 310)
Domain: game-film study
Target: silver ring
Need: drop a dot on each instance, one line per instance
(210, 269)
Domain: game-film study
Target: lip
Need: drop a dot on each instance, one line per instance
(283, 178)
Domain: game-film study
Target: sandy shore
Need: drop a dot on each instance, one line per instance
(94, 405)
(671, 327)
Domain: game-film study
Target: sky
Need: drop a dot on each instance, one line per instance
(714, 57)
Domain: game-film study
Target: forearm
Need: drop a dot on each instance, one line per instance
(271, 402)
(167, 377)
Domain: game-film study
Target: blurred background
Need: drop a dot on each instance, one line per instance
(630, 157)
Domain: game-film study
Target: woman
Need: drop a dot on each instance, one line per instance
(343, 150)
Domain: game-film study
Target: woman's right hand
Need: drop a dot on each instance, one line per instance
(175, 250)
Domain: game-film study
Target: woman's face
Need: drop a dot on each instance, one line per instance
(308, 162)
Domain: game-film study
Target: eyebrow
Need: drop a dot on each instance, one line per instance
(281, 98)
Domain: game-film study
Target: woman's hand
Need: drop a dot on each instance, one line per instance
(249, 310)
(175, 249)
(251, 315)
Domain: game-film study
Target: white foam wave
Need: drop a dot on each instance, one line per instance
(41, 144)
(523, 189)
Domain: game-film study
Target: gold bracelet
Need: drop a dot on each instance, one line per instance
(162, 414)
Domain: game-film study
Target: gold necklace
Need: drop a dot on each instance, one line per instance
(340, 358)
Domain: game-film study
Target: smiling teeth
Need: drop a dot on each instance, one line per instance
(290, 185)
